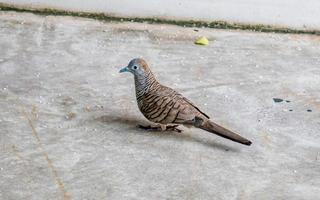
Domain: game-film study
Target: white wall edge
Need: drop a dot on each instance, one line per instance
(303, 15)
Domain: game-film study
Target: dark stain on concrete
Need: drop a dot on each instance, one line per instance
(277, 100)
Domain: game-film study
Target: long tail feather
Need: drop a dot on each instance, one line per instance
(223, 132)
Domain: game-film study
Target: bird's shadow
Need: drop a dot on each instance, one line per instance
(111, 119)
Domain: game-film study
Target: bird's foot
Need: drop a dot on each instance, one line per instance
(173, 128)
(161, 128)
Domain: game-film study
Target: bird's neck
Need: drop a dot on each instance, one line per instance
(144, 83)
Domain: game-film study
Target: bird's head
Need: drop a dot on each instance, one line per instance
(137, 67)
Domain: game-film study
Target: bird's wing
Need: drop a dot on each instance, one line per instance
(165, 105)
(191, 104)
(183, 99)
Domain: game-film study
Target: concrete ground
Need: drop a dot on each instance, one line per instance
(68, 119)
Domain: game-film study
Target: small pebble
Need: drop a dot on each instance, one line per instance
(70, 116)
(87, 108)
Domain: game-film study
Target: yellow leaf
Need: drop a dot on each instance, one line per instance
(202, 41)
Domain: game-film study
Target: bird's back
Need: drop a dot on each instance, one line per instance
(161, 104)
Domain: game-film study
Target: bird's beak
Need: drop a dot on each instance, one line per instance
(125, 69)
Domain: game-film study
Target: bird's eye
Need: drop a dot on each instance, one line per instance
(135, 67)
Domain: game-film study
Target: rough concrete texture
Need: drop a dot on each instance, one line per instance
(68, 119)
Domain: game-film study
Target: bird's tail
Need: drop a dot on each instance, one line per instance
(221, 131)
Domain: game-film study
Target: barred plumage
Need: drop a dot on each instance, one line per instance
(163, 105)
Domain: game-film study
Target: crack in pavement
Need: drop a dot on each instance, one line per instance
(66, 195)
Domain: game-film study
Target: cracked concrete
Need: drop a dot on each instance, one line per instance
(68, 119)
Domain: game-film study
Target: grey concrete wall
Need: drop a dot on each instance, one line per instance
(284, 13)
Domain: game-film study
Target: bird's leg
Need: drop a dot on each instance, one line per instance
(161, 127)
(173, 128)
(150, 128)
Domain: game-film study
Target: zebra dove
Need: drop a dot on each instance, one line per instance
(168, 108)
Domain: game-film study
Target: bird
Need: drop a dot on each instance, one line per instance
(167, 108)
